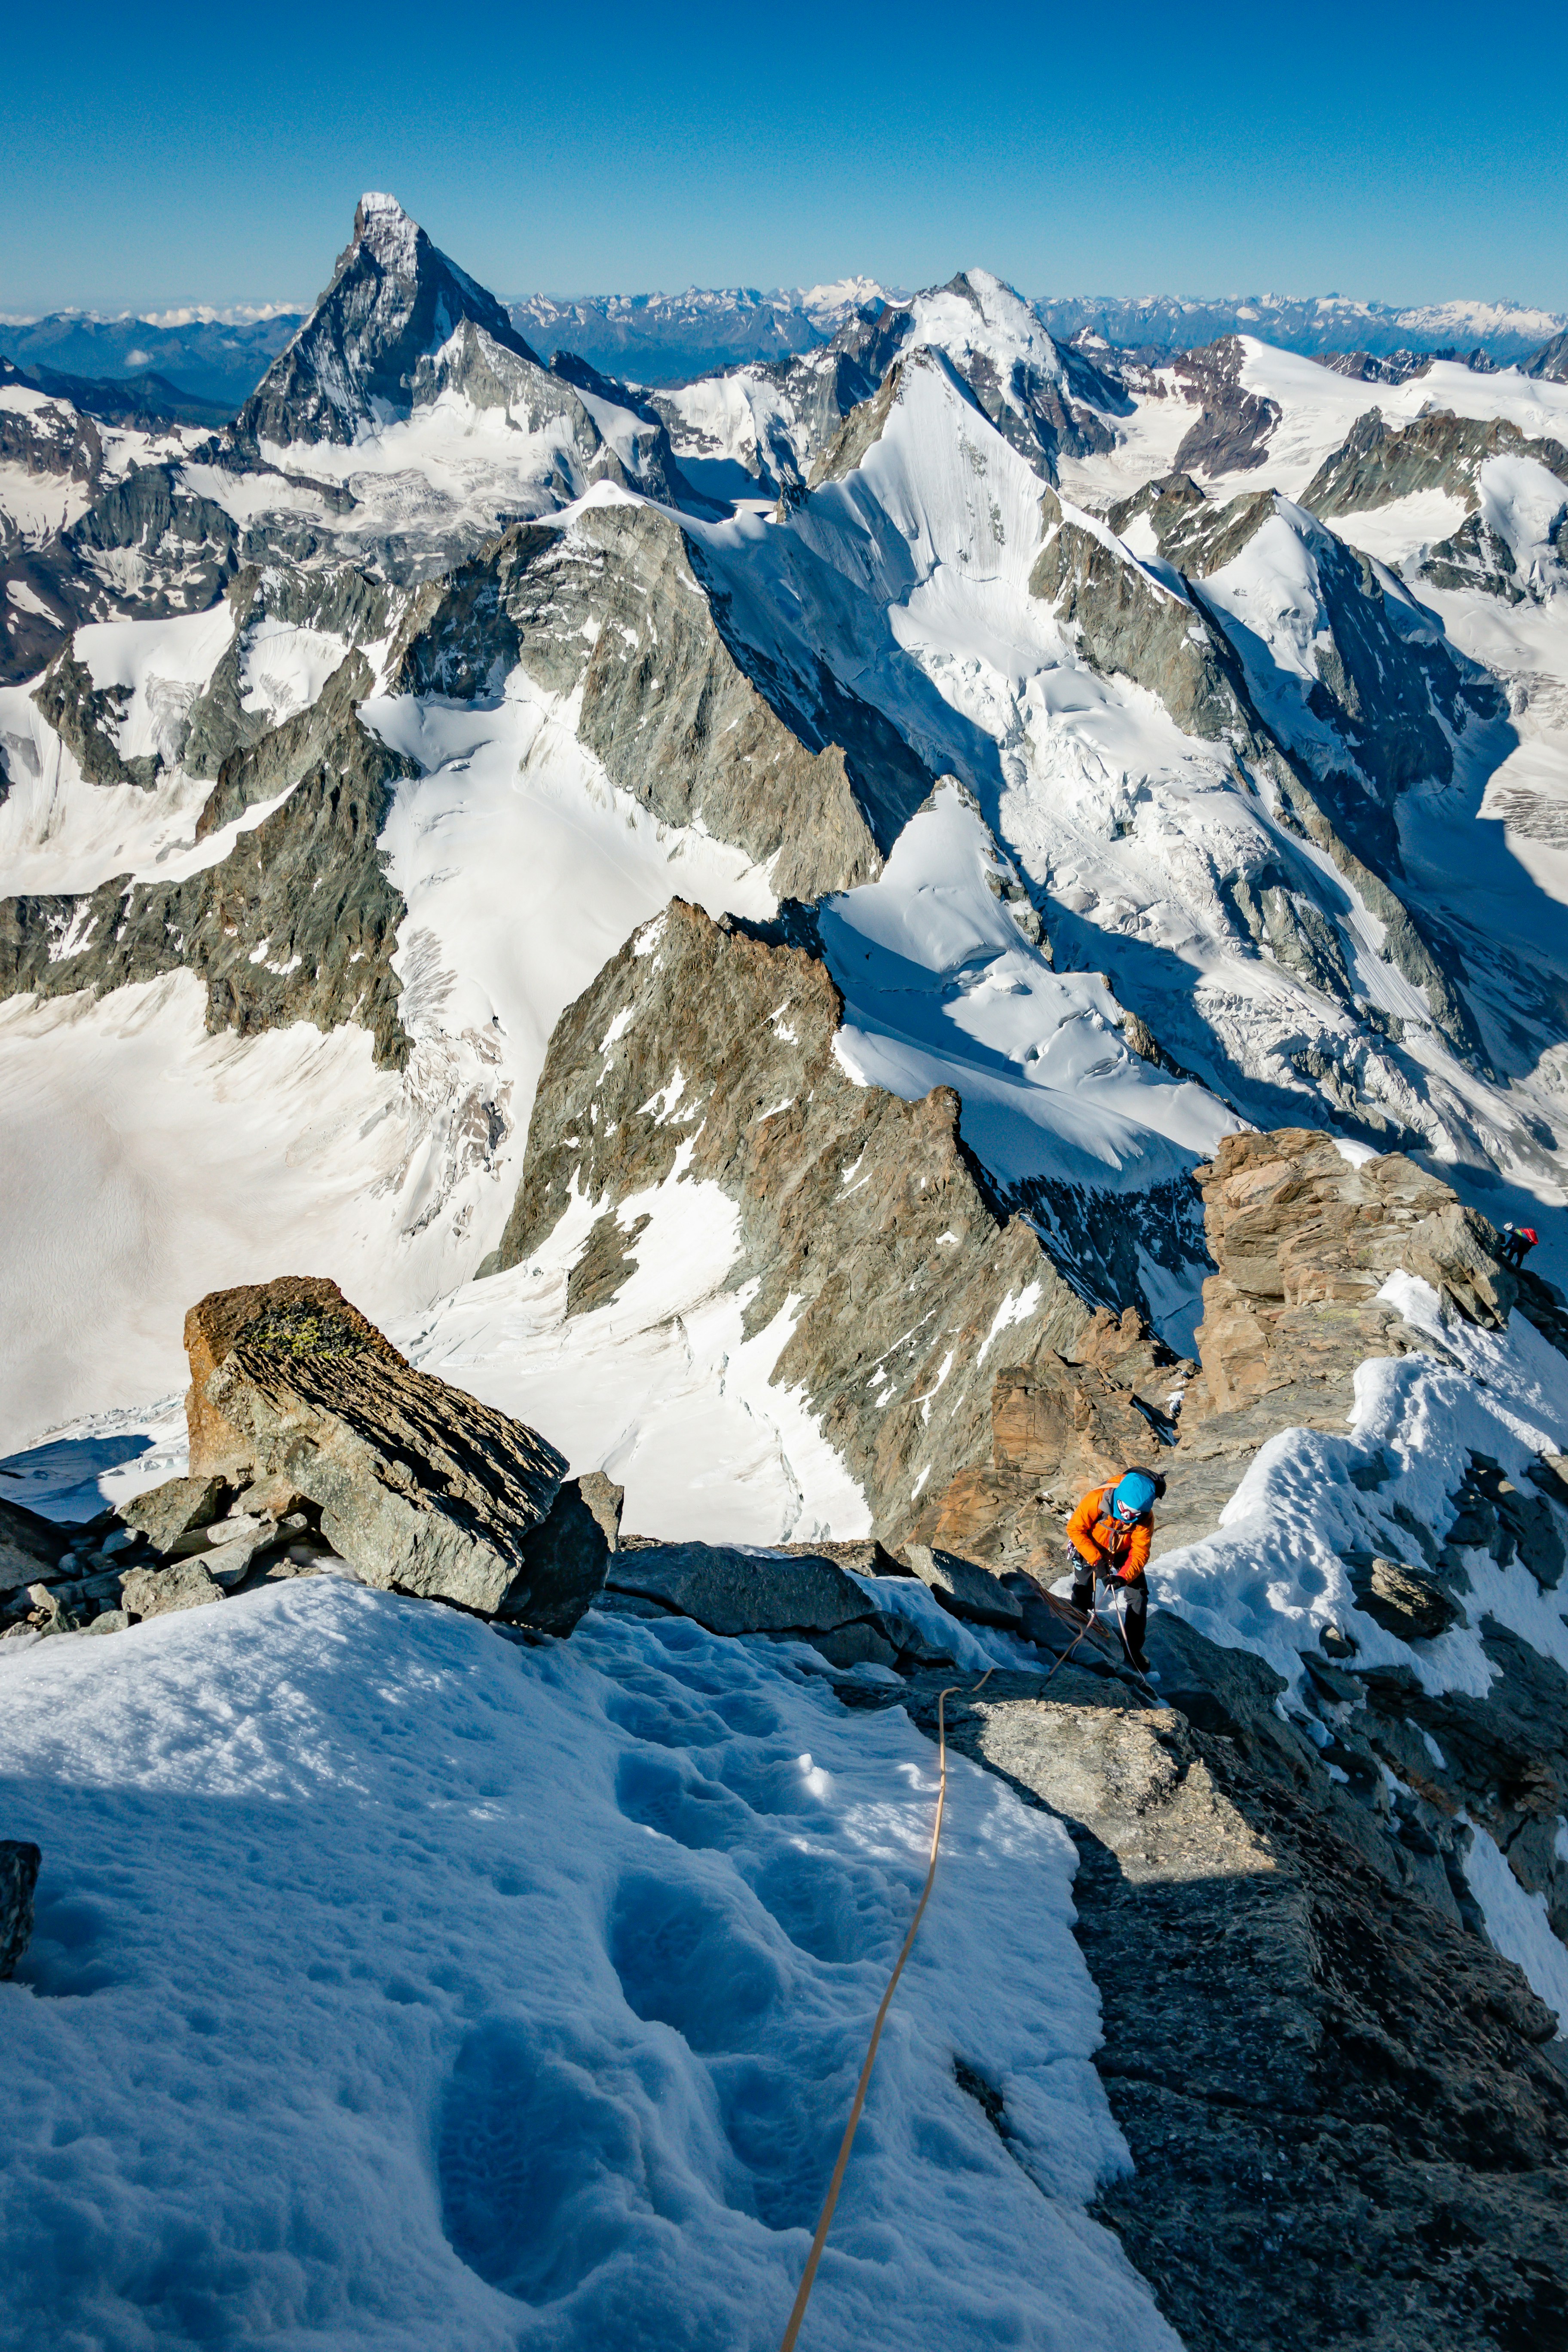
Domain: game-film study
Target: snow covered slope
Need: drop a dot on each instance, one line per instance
(396, 1986)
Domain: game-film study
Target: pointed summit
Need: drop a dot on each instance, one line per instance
(394, 301)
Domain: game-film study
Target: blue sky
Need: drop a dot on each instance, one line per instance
(213, 154)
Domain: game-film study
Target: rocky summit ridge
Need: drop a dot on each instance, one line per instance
(705, 1004)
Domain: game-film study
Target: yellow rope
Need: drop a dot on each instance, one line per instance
(834, 2186)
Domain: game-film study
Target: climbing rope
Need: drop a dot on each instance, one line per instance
(834, 2186)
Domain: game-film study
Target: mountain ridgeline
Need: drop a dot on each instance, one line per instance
(731, 982)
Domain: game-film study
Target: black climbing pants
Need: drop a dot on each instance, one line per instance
(1134, 1600)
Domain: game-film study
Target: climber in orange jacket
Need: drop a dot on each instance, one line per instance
(1111, 1532)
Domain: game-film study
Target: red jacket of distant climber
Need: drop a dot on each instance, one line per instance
(1109, 1543)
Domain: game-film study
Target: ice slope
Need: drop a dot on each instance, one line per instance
(396, 1986)
(997, 328)
(941, 988)
(1127, 828)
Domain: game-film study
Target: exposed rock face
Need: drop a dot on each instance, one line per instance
(964, 1588)
(20, 1865)
(394, 301)
(792, 1592)
(1234, 429)
(1129, 622)
(1295, 1229)
(28, 1545)
(298, 922)
(621, 605)
(178, 1508)
(85, 719)
(1057, 1428)
(1303, 1243)
(705, 1054)
(337, 601)
(1306, 2057)
(1379, 462)
(420, 1488)
(1551, 361)
(1032, 405)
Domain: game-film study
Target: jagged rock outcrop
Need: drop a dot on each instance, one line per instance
(1303, 1244)
(705, 1054)
(1129, 622)
(1235, 426)
(298, 921)
(1060, 1423)
(1379, 462)
(229, 717)
(1293, 1227)
(1302, 1241)
(676, 707)
(1550, 361)
(420, 1488)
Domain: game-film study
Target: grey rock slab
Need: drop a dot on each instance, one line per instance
(1346, 2122)
(1405, 1600)
(563, 1560)
(19, 1861)
(109, 1621)
(964, 1588)
(734, 1591)
(163, 1514)
(606, 1501)
(155, 1592)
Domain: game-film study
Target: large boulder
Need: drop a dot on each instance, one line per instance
(420, 1488)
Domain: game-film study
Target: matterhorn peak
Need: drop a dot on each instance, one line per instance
(394, 300)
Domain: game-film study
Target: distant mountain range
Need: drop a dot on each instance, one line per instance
(218, 357)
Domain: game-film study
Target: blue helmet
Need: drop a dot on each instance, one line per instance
(1134, 1493)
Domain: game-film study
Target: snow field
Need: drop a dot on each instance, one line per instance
(941, 988)
(150, 1162)
(660, 1386)
(396, 1986)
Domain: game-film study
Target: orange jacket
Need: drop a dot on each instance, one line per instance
(1107, 1542)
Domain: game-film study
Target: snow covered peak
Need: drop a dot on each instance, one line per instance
(977, 315)
(385, 229)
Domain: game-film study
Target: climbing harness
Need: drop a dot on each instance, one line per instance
(1145, 1687)
(804, 2296)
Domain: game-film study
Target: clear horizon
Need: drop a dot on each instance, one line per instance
(1386, 155)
